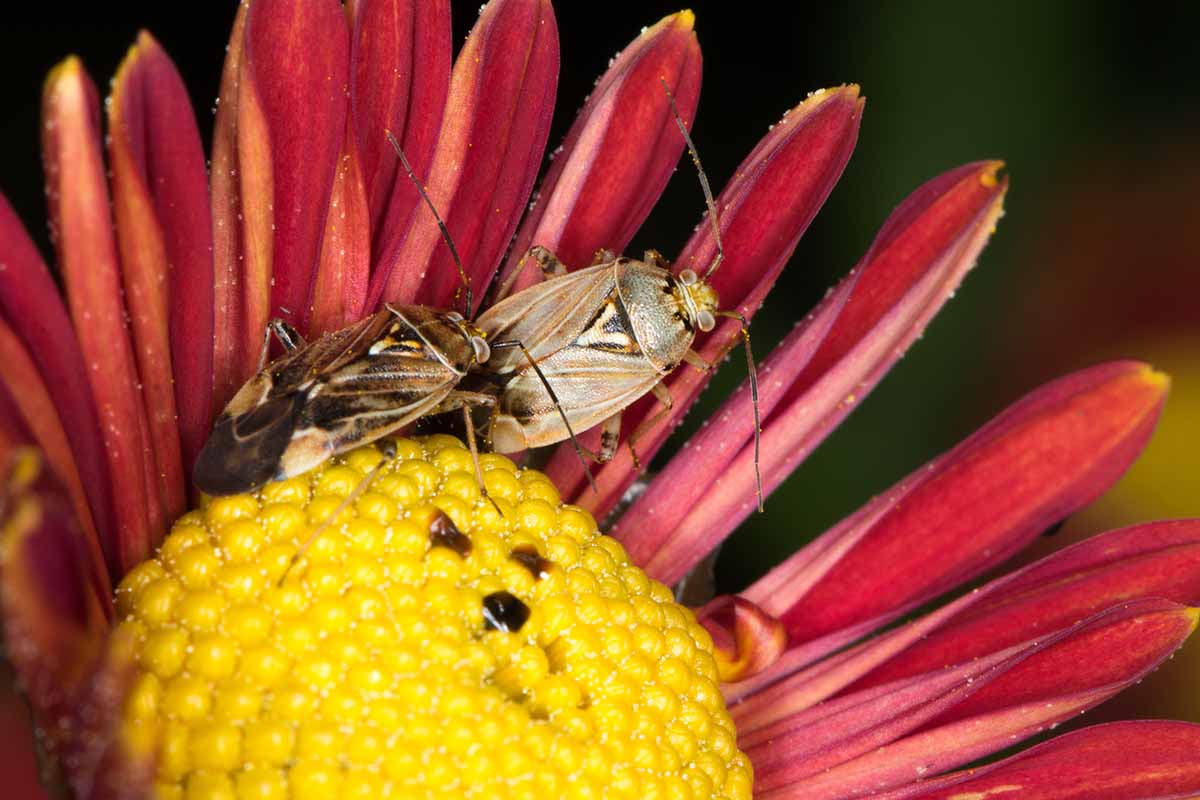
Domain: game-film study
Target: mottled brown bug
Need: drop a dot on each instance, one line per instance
(348, 388)
(345, 389)
(596, 340)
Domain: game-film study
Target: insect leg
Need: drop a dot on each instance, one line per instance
(610, 436)
(663, 395)
(288, 336)
(548, 262)
(579, 449)
(465, 400)
(603, 256)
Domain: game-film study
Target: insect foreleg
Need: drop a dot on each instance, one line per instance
(698, 361)
(288, 336)
(666, 402)
(465, 401)
(548, 262)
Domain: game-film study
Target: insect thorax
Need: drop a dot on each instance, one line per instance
(661, 311)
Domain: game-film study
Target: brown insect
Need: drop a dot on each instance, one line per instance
(598, 339)
(345, 389)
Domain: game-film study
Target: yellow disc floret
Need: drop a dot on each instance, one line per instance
(411, 638)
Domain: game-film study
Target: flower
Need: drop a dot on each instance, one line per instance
(305, 215)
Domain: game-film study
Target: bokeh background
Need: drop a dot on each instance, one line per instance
(1095, 107)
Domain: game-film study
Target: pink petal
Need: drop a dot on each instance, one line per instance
(55, 614)
(33, 406)
(82, 230)
(149, 119)
(239, 267)
(1045, 457)
(617, 157)
(766, 207)
(1160, 559)
(345, 265)
(32, 307)
(1144, 759)
(488, 152)
(746, 640)
(821, 371)
(400, 73)
(297, 57)
(850, 746)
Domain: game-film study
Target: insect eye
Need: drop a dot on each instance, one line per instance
(482, 350)
(705, 321)
(688, 277)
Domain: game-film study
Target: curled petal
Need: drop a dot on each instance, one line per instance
(164, 235)
(55, 617)
(29, 401)
(33, 308)
(745, 639)
(1043, 458)
(239, 266)
(154, 132)
(1160, 559)
(822, 370)
(399, 76)
(488, 152)
(859, 743)
(763, 211)
(297, 57)
(82, 230)
(1147, 759)
(345, 265)
(618, 155)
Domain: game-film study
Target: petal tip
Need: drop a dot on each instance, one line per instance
(685, 19)
(989, 175)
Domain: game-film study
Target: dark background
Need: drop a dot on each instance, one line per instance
(1095, 107)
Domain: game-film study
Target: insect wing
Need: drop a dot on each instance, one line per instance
(545, 317)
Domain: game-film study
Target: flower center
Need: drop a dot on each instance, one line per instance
(427, 643)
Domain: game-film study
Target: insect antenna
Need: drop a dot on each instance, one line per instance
(708, 195)
(389, 452)
(462, 273)
(753, 396)
(716, 228)
(550, 391)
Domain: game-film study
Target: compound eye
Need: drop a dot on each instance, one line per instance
(482, 350)
(688, 277)
(705, 321)
(454, 316)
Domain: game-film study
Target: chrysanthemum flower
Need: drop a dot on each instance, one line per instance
(433, 644)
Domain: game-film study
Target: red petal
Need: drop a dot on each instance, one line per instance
(152, 111)
(617, 157)
(1144, 759)
(31, 305)
(1043, 458)
(488, 153)
(821, 371)
(345, 264)
(164, 234)
(1160, 559)
(82, 231)
(745, 639)
(400, 56)
(32, 404)
(233, 355)
(766, 207)
(849, 746)
(297, 57)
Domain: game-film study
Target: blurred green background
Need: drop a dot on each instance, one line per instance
(1095, 107)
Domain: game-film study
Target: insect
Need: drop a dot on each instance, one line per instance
(348, 388)
(597, 340)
